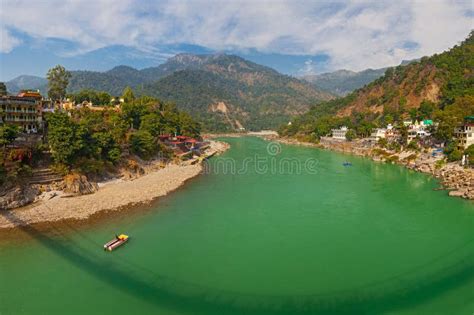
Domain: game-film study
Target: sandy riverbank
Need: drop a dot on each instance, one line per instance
(112, 195)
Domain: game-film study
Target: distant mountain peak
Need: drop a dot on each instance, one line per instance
(121, 68)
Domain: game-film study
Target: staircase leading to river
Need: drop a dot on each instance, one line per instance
(44, 176)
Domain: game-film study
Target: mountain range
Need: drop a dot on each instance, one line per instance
(225, 92)
(343, 82)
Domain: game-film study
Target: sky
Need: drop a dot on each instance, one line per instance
(294, 37)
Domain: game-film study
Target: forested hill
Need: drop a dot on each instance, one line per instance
(228, 92)
(439, 87)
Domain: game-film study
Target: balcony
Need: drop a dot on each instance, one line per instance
(23, 110)
(18, 119)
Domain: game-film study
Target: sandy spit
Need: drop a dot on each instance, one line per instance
(111, 196)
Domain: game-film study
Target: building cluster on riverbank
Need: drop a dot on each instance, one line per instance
(417, 132)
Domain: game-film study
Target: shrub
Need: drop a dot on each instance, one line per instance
(382, 142)
(413, 146)
(439, 164)
(350, 135)
(392, 159)
(470, 152)
(455, 155)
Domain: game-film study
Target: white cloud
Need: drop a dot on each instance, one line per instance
(355, 34)
(7, 42)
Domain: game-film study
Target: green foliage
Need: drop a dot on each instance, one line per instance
(63, 138)
(413, 146)
(8, 134)
(127, 95)
(91, 141)
(96, 98)
(3, 89)
(426, 109)
(455, 155)
(452, 71)
(382, 142)
(470, 153)
(350, 135)
(452, 116)
(143, 144)
(58, 80)
(440, 164)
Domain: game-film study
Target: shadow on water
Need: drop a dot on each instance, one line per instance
(398, 292)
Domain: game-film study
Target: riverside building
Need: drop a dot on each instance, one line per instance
(23, 110)
(465, 133)
(339, 134)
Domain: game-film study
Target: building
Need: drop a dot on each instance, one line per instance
(382, 133)
(418, 130)
(465, 133)
(391, 132)
(340, 133)
(23, 110)
(377, 134)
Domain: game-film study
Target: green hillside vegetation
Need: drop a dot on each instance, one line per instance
(256, 96)
(403, 92)
(93, 142)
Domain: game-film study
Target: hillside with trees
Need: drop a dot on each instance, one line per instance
(228, 92)
(92, 142)
(440, 87)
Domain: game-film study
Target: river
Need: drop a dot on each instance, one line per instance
(268, 229)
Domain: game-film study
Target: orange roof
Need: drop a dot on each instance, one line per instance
(32, 94)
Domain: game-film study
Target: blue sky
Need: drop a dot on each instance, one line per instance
(294, 37)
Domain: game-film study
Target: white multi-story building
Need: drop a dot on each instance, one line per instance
(465, 133)
(418, 130)
(377, 134)
(340, 133)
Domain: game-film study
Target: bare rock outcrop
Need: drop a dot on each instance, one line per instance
(17, 196)
(79, 185)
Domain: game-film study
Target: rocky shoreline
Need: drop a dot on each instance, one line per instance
(115, 194)
(458, 180)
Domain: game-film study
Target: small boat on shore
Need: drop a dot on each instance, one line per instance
(119, 240)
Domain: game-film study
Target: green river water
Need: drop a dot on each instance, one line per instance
(267, 230)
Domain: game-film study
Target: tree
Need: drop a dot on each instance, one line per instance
(3, 89)
(58, 80)
(350, 135)
(8, 134)
(426, 109)
(152, 123)
(143, 144)
(62, 138)
(455, 155)
(403, 130)
(128, 95)
(470, 154)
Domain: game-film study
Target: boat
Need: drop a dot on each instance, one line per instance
(347, 164)
(119, 240)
